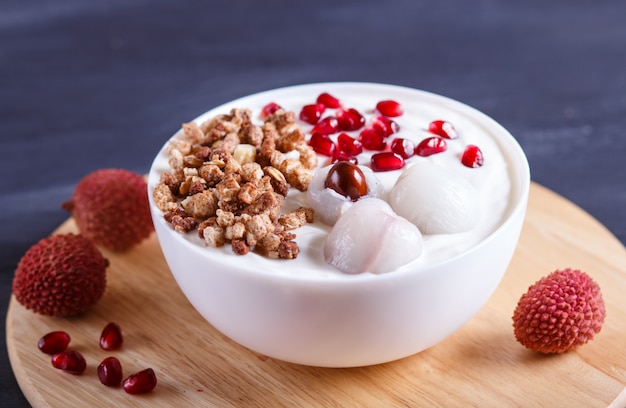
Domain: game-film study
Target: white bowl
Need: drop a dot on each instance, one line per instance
(350, 320)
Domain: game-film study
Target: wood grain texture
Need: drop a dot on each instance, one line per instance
(480, 365)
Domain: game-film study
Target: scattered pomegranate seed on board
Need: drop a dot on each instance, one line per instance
(54, 342)
(110, 372)
(111, 337)
(141, 382)
(69, 361)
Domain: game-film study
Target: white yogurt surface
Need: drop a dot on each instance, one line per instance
(492, 180)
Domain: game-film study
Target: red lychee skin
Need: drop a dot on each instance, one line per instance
(559, 312)
(110, 207)
(61, 276)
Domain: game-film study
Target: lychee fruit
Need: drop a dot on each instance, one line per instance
(61, 275)
(560, 312)
(110, 207)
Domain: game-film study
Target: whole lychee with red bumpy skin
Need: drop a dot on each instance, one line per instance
(61, 275)
(110, 207)
(560, 312)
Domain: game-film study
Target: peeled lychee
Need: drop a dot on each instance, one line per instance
(559, 312)
(110, 207)
(61, 275)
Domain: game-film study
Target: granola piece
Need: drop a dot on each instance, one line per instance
(282, 120)
(180, 221)
(258, 227)
(164, 198)
(292, 220)
(228, 143)
(191, 161)
(209, 124)
(211, 173)
(213, 235)
(241, 117)
(224, 218)
(201, 205)
(270, 243)
(248, 193)
(288, 142)
(235, 231)
(308, 157)
(251, 172)
(240, 247)
(228, 189)
(277, 180)
(192, 133)
(201, 152)
(232, 166)
(183, 146)
(251, 134)
(296, 174)
(197, 185)
(288, 250)
(267, 202)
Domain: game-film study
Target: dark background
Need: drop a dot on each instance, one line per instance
(87, 85)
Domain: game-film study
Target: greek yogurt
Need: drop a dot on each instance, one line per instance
(492, 182)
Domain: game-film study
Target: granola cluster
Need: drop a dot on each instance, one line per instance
(229, 178)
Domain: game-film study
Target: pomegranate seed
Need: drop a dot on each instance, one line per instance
(347, 179)
(403, 147)
(328, 100)
(269, 110)
(326, 126)
(350, 119)
(389, 108)
(141, 382)
(349, 145)
(372, 139)
(343, 156)
(443, 129)
(110, 372)
(323, 144)
(312, 113)
(431, 145)
(111, 337)
(385, 125)
(472, 156)
(69, 361)
(54, 342)
(387, 161)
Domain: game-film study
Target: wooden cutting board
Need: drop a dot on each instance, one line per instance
(480, 365)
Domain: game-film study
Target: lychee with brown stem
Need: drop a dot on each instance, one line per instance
(110, 207)
(61, 275)
(559, 312)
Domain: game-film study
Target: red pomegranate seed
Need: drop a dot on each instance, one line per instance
(443, 129)
(349, 145)
(372, 139)
(350, 119)
(111, 337)
(326, 126)
(323, 144)
(431, 145)
(389, 108)
(69, 361)
(472, 156)
(328, 100)
(312, 113)
(269, 110)
(403, 147)
(110, 372)
(141, 382)
(385, 125)
(54, 342)
(387, 161)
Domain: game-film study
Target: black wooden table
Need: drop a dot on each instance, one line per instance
(87, 85)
